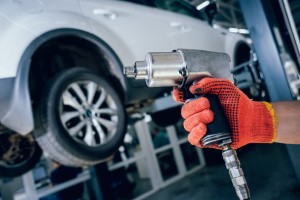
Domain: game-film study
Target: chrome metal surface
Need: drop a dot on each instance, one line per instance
(222, 138)
(88, 113)
(129, 71)
(162, 69)
(236, 173)
(159, 69)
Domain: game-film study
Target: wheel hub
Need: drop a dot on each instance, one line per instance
(89, 114)
(18, 150)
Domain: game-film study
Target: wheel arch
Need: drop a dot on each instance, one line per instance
(241, 53)
(22, 110)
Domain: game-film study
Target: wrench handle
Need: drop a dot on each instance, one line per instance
(218, 131)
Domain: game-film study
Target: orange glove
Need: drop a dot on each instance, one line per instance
(250, 121)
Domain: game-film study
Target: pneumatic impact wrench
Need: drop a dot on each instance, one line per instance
(182, 68)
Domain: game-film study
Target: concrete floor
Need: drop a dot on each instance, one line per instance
(267, 169)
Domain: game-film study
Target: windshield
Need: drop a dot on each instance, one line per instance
(176, 6)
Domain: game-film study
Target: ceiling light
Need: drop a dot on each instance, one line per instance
(238, 30)
(243, 31)
(202, 5)
(233, 30)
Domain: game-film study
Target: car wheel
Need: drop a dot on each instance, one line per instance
(19, 154)
(81, 119)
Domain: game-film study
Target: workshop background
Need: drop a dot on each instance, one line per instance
(74, 127)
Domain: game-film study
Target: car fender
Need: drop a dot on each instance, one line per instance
(15, 61)
(232, 41)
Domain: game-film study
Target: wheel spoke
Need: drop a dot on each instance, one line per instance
(109, 111)
(100, 131)
(109, 125)
(79, 93)
(89, 135)
(69, 115)
(101, 98)
(91, 90)
(88, 113)
(68, 99)
(74, 130)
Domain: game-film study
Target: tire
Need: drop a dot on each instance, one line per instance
(81, 119)
(19, 154)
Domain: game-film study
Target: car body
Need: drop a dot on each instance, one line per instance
(41, 38)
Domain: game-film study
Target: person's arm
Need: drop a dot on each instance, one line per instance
(250, 121)
(288, 124)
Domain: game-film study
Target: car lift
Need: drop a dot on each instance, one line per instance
(264, 28)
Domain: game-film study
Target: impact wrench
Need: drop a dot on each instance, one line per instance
(182, 68)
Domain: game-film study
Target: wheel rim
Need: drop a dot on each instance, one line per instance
(16, 149)
(88, 113)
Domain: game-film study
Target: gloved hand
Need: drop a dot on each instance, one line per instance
(250, 121)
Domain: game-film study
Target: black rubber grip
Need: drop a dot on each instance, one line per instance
(218, 130)
(220, 123)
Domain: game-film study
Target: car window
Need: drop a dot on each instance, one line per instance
(142, 2)
(177, 6)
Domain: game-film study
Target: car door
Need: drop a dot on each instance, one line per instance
(129, 29)
(189, 31)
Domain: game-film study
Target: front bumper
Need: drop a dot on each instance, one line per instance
(15, 106)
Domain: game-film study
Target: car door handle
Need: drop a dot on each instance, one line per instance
(105, 13)
(179, 26)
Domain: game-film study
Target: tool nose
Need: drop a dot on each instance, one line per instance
(138, 71)
(129, 71)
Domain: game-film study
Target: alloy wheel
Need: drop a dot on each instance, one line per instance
(88, 113)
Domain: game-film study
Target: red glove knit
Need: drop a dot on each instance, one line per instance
(250, 121)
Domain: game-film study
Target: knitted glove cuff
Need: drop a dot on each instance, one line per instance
(264, 123)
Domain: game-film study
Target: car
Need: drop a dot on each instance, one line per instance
(62, 87)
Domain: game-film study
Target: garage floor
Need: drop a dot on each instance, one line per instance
(267, 169)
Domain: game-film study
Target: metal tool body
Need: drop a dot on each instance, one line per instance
(181, 68)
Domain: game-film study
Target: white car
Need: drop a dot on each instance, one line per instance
(61, 74)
